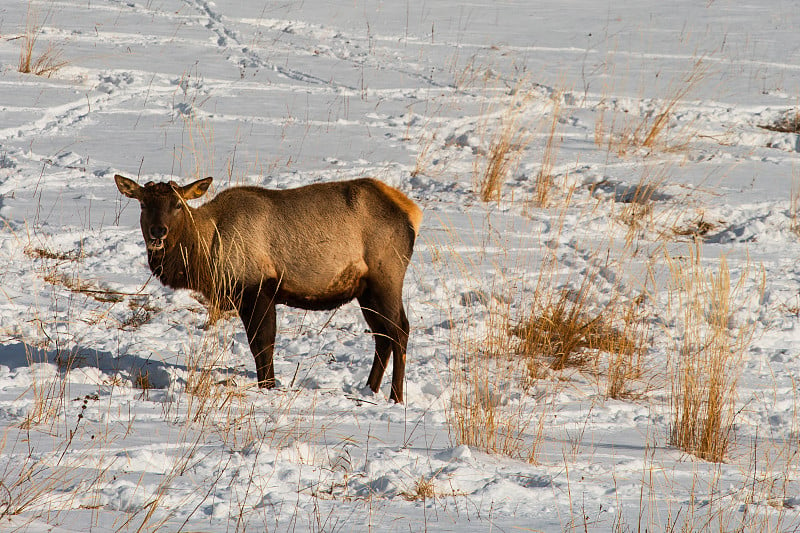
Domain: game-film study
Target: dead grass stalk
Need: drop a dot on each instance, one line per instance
(544, 178)
(48, 62)
(711, 346)
(631, 132)
(505, 147)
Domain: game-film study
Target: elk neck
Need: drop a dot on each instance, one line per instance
(184, 262)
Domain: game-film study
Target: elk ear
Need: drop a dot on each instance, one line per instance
(128, 187)
(196, 189)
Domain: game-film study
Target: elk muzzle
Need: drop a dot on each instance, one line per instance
(157, 236)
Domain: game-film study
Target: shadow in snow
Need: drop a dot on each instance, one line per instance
(127, 367)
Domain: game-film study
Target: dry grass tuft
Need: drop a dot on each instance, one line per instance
(505, 148)
(141, 380)
(52, 272)
(567, 334)
(711, 347)
(591, 327)
(47, 390)
(48, 62)
(74, 284)
(637, 213)
(696, 228)
(423, 489)
(141, 312)
(54, 255)
(544, 178)
(487, 409)
(631, 132)
(648, 212)
(481, 414)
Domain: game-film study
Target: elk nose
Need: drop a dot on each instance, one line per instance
(158, 232)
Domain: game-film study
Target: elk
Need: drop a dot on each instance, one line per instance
(314, 247)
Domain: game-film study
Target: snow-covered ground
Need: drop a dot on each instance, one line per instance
(121, 409)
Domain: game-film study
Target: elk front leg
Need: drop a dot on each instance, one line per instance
(257, 311)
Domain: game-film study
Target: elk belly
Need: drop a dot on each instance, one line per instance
(310, 293)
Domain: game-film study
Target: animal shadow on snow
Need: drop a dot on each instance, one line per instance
(127, 367)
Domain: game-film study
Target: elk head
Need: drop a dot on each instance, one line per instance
(163, 206)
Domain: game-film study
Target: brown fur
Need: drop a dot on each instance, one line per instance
(313, 247)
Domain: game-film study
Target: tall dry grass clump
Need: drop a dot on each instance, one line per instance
(544, 182)
(566, 329)
(508, 360)
(48, 62)
(711, 347)
(505, 149)
(487, 408)
(587, 319)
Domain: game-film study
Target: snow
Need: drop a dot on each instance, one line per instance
(122, 409)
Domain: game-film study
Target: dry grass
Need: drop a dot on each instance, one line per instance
(486, 409)
(788, 123)
(38, 252)
(47, 389)
(212, 402)
(650, 214)
(73, 283)
(207, 394)
(565, 332)
(544, 178)
(529, 337)
(423, 489)
(52, 268)
(631, 132)
(586, 320)
(201, 146)
(638, 209)
(479, 418)
(141, 380)
(627, 349)
(141, 312)
(505, 149)
(427, 141)
(48, 62)
(27, 482)
(794, 204)
(637, 212)
(696, 228)
(710, 351)
(196, 157)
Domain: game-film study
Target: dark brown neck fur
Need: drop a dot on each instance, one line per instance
(183, 263)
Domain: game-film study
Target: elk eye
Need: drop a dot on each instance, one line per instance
(177, 205)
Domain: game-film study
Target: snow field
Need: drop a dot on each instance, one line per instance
(122, 408)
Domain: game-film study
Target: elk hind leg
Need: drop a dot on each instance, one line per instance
(383, 343)
(387, 320)
(399, 346)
